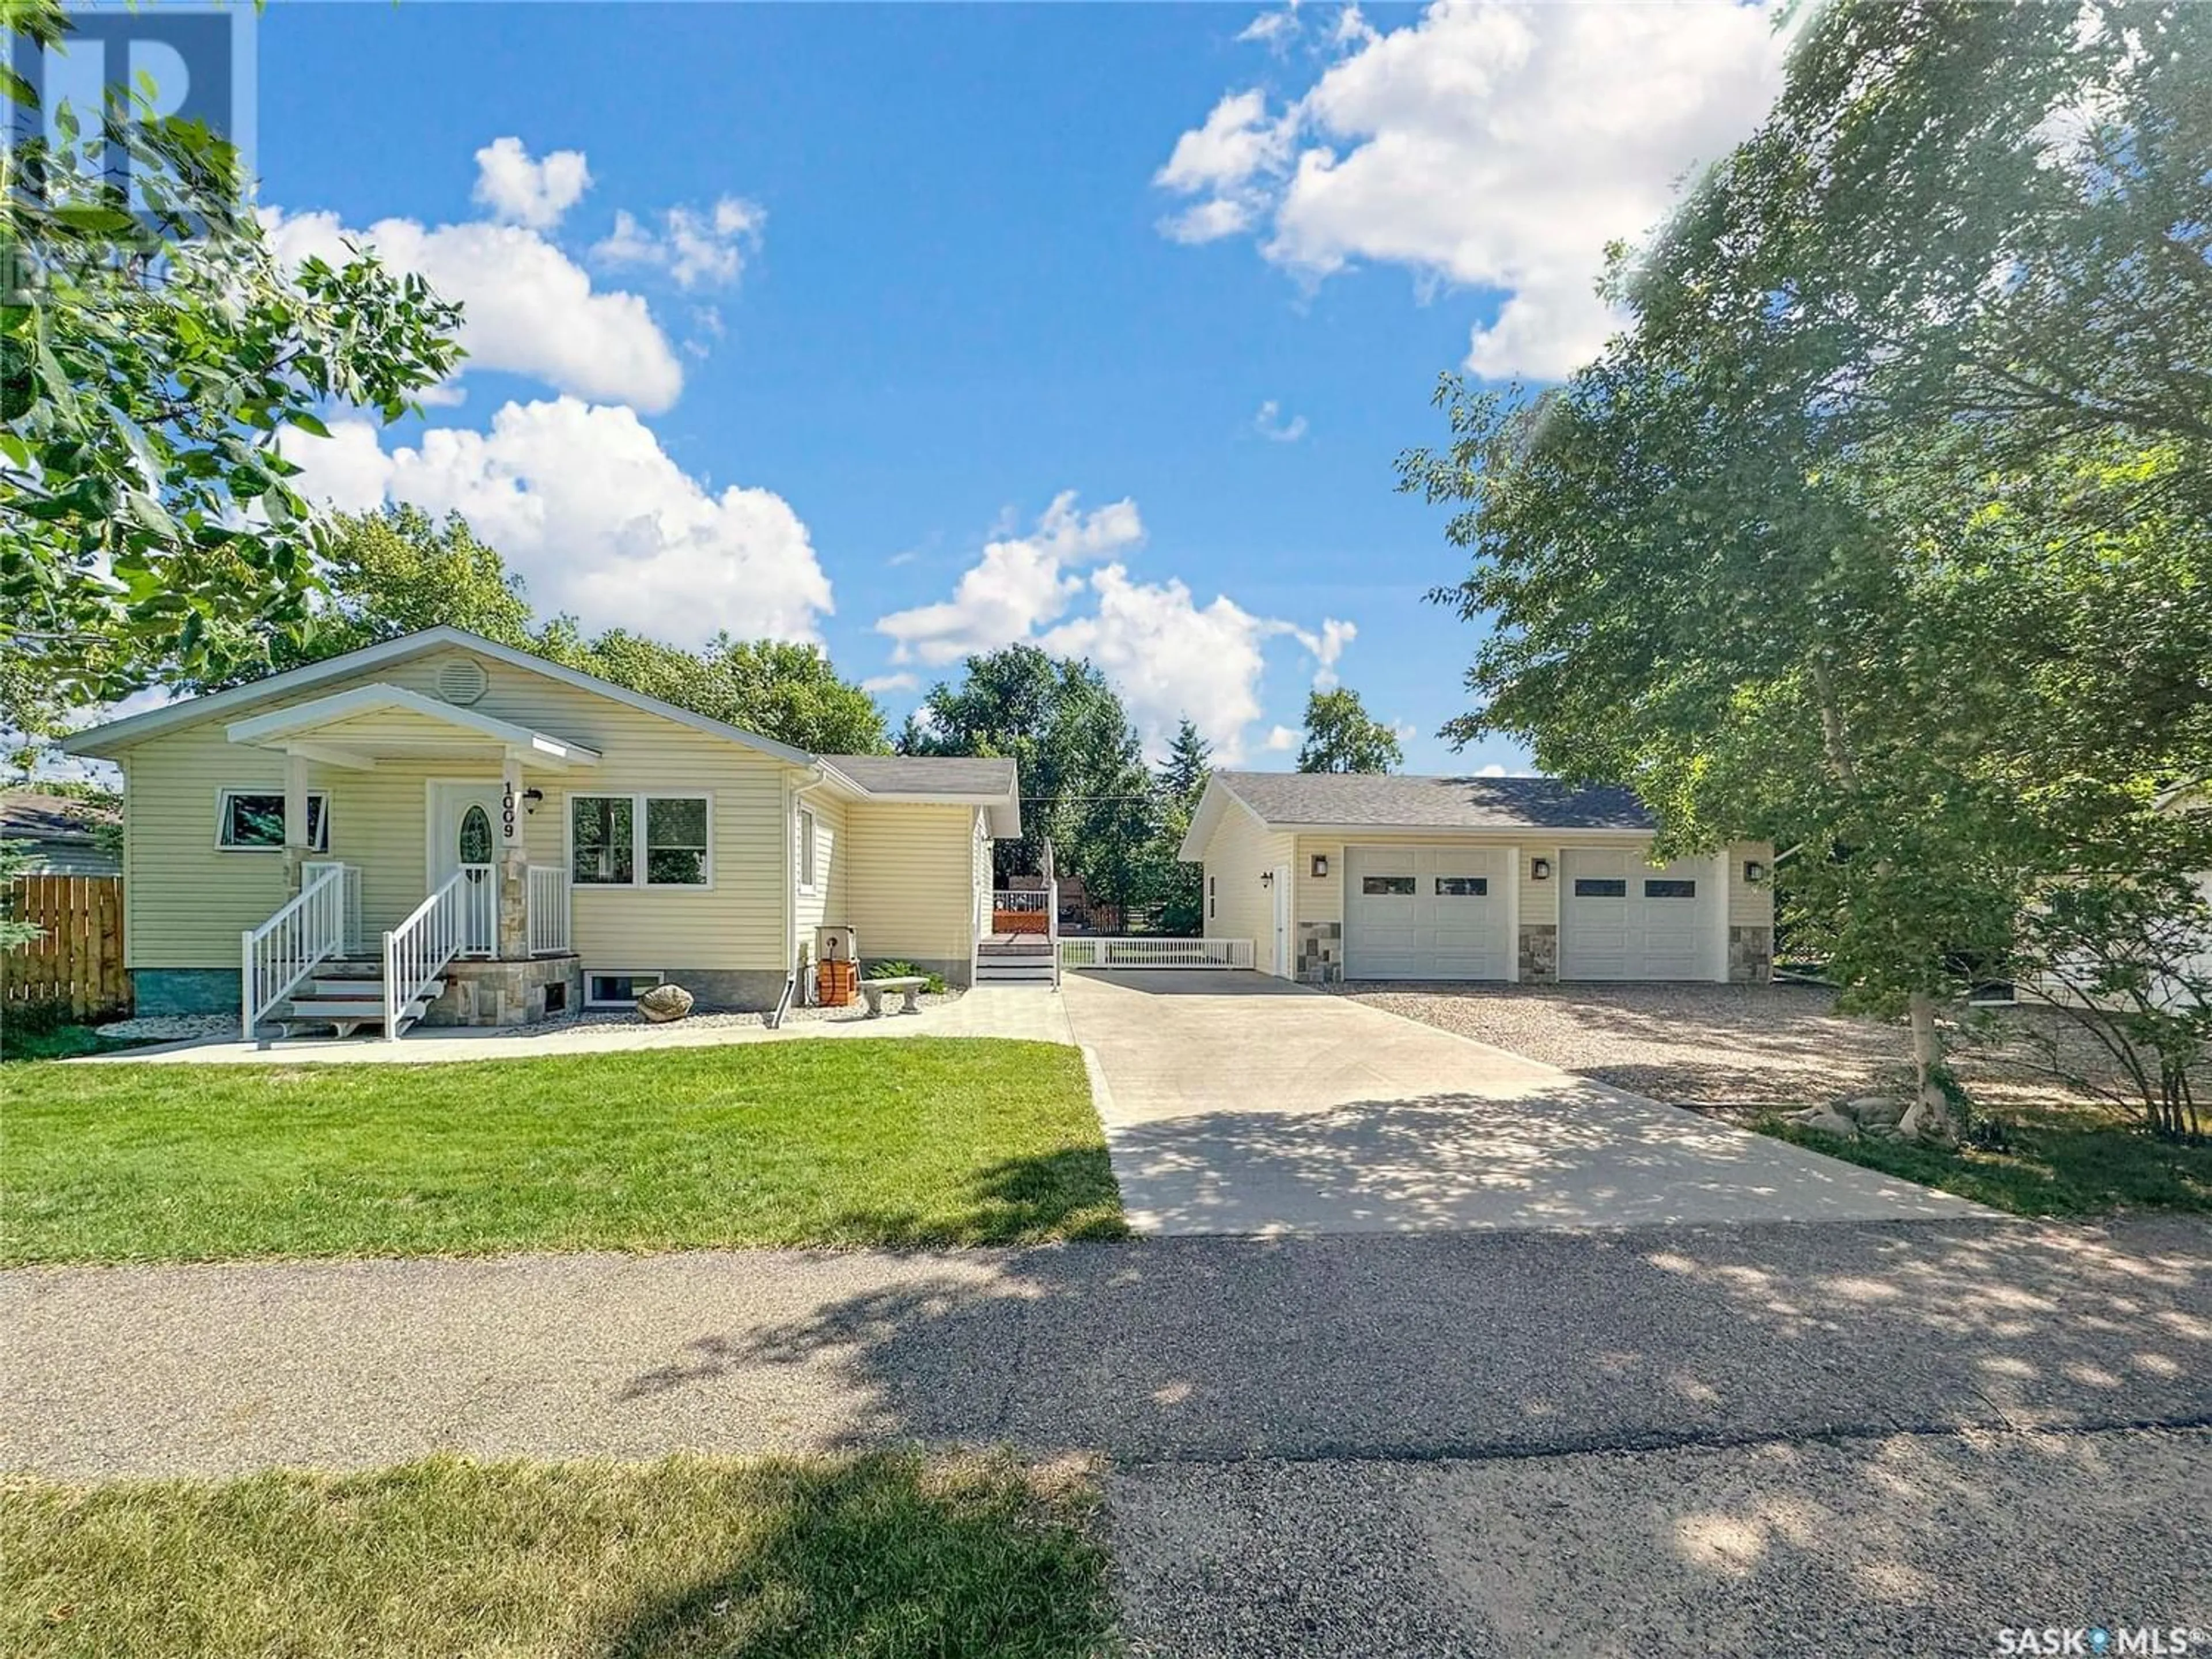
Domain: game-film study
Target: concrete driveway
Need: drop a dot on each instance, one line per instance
(1238, 1104)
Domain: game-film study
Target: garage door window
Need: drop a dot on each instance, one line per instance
(1386, 886)
(1670, 888)
(1601, 887)
(1462, 886)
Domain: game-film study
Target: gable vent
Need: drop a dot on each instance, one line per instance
(462, 680)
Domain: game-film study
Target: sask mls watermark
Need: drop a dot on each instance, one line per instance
(145, 65)
(2104, 1641)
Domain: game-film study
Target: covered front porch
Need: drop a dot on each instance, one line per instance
(459, 928)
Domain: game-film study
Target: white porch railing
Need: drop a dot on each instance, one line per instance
(274, 958)
(545, 909)
(479, 903)
(1022, 901)
(1094, 953)
(416, 951)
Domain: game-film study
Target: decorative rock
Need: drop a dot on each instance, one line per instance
(1868, 1111)
(664, 1003)
(1829, 1123)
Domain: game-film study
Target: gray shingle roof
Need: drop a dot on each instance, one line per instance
(926, 774)
(1399, 800)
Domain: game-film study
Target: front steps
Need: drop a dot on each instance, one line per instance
(346, 995)
(1019, 959)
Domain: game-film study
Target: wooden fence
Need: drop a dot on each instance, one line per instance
(78, 960)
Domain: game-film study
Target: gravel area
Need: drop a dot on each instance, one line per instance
(169, 1027)
(1735, 1046)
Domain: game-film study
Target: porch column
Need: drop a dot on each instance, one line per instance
(299, 847)
(513, 901)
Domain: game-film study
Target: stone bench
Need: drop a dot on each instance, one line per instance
(910, 986)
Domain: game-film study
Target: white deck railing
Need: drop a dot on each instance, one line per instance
(416, 951)
(274, 958)
(545, 909)
(1023, 901)
(1094, 953)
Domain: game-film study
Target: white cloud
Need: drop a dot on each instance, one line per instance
(1281, 739)
(902, 681)
(1269, 423)
(699, 247)
(526, 192)
(1166, 653)
(1493, 145)
(584, 504)
(1272, 28)
(528, 309)
(1493, 770)
(1327, 646)
(1019, 584)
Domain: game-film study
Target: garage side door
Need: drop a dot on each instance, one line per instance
(1425, 913)
(1621, 919)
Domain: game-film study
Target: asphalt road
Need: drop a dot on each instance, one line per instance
(1832, 1439)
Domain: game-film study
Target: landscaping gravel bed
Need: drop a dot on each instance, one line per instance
(1729, 1046)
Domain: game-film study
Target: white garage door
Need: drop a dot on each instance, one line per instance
(1621, 919)
(1425, 913)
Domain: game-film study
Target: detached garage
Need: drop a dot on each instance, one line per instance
(1364, 877)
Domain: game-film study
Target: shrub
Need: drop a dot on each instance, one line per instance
(897, 969)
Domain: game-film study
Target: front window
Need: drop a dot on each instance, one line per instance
(253, 820)
(605, 848)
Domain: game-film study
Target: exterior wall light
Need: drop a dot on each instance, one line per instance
(1319, 865)
(1267, 878)
(1540, 869)
(1753, 870)
(530, 797)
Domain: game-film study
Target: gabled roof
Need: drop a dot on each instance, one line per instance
(103, 740)
(1396, 800)
(296, 720)
(29, 814)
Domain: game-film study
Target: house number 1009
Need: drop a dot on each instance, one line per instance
(507, 816)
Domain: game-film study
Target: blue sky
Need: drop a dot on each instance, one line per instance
(920, 329)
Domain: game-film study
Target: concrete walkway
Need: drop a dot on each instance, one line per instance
(1020, 1011)
(1238, 1104)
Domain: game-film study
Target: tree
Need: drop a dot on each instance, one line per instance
(1341, 736)
(781, 690)
(152, 355)
(1815, 550)
(1179, 888)
(1084, 783)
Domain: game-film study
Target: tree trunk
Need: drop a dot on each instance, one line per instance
(1929, 1119)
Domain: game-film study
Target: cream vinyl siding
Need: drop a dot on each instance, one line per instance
(827, 901)
(1750, 906)
(186, 901)
(907, 883)
(1236, 906)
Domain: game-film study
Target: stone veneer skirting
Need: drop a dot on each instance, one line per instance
(511, 992)
(1540, 953)
(1751, 956)
(1321, 952)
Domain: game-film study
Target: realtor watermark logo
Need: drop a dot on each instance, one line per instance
(143, 65)
(2104, 1641)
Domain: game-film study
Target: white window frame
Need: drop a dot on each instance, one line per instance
(808, 830)
(230, 792)
(659, 976)
(638, 842)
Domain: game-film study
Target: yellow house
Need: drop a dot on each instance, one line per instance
(444, 828)
(1388, 876)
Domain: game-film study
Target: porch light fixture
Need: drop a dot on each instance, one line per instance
(1540, 869)
(1267, 878)
(530, 797)
(1319, 865)
(1753, 870)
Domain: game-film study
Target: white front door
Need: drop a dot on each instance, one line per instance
(464, 839)
(1620, 918)
(1284, 966)
(1425, 912)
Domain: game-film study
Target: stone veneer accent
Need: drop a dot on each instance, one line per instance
(1321, 952)
(1751, 956)
(1540, 953)
(508, 993)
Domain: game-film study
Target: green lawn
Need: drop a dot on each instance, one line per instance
(2053, 1162)
(913, 1141)
(888, 1554)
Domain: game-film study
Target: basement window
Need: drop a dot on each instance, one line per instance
(617, 987)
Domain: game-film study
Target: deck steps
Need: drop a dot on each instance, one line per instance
(1016, 959)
